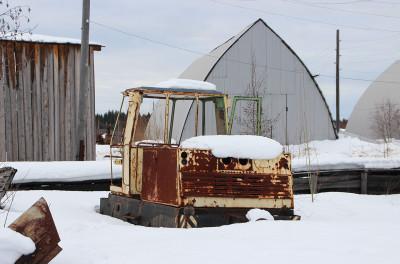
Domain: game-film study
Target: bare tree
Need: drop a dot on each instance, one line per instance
(13, 20)
(256, 88)
(385, 122)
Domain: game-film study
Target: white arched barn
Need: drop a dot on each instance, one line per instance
(257, 62)
(382, 94)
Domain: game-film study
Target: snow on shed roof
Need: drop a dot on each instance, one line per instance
(26, 37)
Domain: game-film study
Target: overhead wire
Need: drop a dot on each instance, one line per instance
(392, 59)
(368, 55)
(217, 57)
(338, 9)
(305, 19)
(353, 2)
(377, 42)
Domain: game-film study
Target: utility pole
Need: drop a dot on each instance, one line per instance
(84, 79)
(337, 83)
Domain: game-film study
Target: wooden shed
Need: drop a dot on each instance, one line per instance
(39, 91)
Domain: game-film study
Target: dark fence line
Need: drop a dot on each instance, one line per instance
(370, 181)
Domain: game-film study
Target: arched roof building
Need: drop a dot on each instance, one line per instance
(386, 88)
(257, 62)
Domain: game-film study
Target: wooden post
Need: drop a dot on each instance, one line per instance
(313, 184)
(12, 94)
(72, 107)
(7, 107)
(56, 105)
(20, 102)
(50, 101)
(61, 103)
(2, 111)
(45, 103)
(38, 148)
(364, 188)
(69, 57)
(83, 89)
(26, 73)
(337, 84)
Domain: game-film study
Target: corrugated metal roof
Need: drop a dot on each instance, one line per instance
(201, 68)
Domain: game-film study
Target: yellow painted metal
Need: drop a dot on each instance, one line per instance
(237, 202)
(139, 170)
(227, 104)
(135, 100)
(271, 166)
(118, 161)
(116, 189)
(166, 117)
(136, 170)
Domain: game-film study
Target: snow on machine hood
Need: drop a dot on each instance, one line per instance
(237, 146)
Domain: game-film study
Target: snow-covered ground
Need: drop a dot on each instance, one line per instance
(336, 228)
(344, 153)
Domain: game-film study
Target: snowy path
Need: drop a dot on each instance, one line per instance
(337, 228)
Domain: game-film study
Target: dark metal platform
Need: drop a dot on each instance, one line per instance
(144, 213)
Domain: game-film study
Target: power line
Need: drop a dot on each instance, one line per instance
(144, 38)
(305, 19)
(338, 9)
(217, 57)
(347, 70)
(368, 55)
(321, 54)
(377, 42)
(392, 59)
(354, 2)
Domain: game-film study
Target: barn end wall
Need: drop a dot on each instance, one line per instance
(291, 96)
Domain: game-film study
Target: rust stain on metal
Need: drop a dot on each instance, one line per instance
(6, 176)
(204, 175)
(37, 223)
(159, 178)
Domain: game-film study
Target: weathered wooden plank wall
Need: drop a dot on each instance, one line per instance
(39, 89)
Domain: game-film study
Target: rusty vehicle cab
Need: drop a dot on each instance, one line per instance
(164, 185)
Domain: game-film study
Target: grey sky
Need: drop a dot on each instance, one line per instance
(202, 25)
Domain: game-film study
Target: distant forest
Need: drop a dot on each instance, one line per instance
(105, 125)
(107, 120)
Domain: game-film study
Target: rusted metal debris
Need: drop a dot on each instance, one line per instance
(6, 177)
(37, 223)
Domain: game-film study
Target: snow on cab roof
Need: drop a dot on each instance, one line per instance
(186, 84)
(26, 37)
(183, 86)
(236, 146)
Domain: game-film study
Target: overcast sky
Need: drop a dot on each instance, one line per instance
(369, 33)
